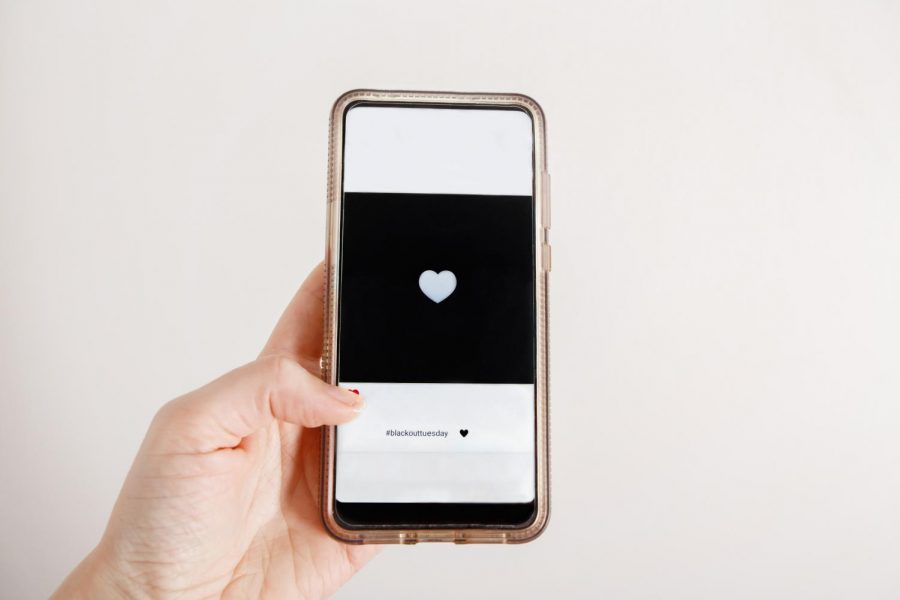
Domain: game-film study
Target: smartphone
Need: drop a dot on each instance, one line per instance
(436, 312)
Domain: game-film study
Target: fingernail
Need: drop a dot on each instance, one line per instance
(350, 397)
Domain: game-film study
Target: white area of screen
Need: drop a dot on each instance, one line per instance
(492, 463)
(438, 151)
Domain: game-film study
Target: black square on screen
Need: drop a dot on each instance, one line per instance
(390, 331)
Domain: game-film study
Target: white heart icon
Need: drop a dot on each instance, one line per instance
(437, 286)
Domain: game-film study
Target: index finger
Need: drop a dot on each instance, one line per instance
(299, 330)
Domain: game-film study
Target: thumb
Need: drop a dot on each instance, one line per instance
(223, 412)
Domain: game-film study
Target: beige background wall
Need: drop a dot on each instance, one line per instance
(726, 278)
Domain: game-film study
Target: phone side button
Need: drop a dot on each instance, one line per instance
(545, 206)
(545, 257)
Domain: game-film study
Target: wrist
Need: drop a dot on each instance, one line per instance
(94, 577)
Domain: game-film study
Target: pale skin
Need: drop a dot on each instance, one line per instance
(222, 498)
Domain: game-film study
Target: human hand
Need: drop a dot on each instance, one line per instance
(221, 500)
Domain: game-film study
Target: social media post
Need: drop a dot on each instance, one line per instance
(436, 307)
(438, 443)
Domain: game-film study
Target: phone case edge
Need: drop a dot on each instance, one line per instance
(332, 257)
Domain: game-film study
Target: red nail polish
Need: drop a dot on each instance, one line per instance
(354, 391)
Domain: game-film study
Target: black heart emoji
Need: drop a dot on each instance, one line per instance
(464, 432)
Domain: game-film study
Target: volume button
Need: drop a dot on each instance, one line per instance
(545, 257)
(545, 201)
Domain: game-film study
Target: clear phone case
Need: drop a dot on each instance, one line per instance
(541, 183)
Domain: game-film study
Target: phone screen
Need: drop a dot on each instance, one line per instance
(436, 317)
